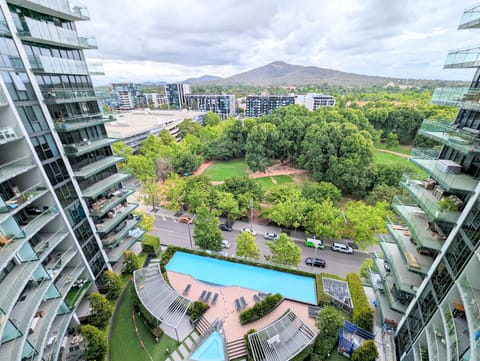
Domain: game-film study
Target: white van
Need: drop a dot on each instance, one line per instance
(343, 248)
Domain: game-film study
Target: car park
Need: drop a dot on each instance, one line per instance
(185, 220)
(342, 248)
(314, 242)
(317, 262)
(225, 227)
(270, 236)
(249, 230)
(226, 243)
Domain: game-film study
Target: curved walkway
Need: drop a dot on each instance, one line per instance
(394, 153)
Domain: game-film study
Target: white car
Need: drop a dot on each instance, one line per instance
(342, 248)
(249, 230)
(226, 244)
(270, 236)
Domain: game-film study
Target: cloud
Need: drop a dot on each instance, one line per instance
(159, 40)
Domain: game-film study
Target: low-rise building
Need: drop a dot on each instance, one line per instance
(222, 104)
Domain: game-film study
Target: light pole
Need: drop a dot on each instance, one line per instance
(190, 232)
(251, 212)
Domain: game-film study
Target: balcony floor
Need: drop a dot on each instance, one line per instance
(98, 188)
(96, 167)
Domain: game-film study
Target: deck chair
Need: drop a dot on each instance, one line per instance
(256, 299)
(202, 296)
(243, 302)
(186, 289)
(214, 299)
(237, 304)
(207, 297)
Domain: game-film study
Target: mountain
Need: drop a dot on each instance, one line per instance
(280, 73)
(202, 79)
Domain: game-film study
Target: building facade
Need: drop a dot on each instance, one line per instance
(224, 104)
(314, 101)
(258, 105)
(175, 93)
(127, 96)
(429, 289)
(62, 204)
(155, 100)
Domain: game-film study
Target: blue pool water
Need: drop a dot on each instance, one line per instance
(210, 350)
(224, 273)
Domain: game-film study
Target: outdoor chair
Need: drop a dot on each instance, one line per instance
(214, 299)
(237, 304)
(243, 302)
(202, 296)
(207, 297)
(186, 289)
(256, 298)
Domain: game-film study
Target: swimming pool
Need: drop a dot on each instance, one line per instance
(210, 350)
(224, 273)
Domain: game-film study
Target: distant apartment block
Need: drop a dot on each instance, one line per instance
(224, 104)
(258, 105)
(175, 93)
(126, 96)
(155, 100)
(314, 101)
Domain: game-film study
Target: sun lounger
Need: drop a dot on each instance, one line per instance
(256, 299)
(237, 304)
(186, 289)
(202, 296)
(207, 297)
(243, 302)
(214, 299)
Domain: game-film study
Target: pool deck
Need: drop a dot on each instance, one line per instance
(225, 305)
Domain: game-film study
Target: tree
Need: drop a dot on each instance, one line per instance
(166, 138)
(151, 147)
(120, 149)
(325, 220)
(151, 193)
(284, 251)
(318, 192)
(113, 283)
(247, 247)
(366, 352)
(142, 168)
(330, 321)
(163, 167)
(188, 126)
(148, 221)
(186, 162)
(101, 310)
(173, 191)
(256, 150)
(96, 342)
(212, 119)
(391, 141)
(227, 205)
(380, 193)
(367, 266)
(131, 262)
(206, 233)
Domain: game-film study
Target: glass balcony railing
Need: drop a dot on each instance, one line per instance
(105, 184)
(114, 239)
(64, 9)
(16, 167)
(471, 302)
(81, 122)
(467, 98)
(89, 145)
(430, 202)
(20, 201)
(120, 213)
(10, 134)
(95, 69)
(432, 345)
(463, 58)
(129, 239)
(102, 206)
(470, 18)
(61, 95)
(49, 64)
(3, 99)
(448, 133)
(451, 336)
(426, 234)
(97, 166)
(440, 170)
(58, 329)
(50, 34)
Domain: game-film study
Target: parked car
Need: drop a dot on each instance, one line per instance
(342, 248)
(225, 227)
(270, 236)
(226, 243)
(310, 242)
(317, 262)
(185, 220)
(249, 230)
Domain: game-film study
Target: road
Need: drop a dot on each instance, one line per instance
(171, 232)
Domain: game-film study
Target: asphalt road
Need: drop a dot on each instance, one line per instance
(171, 232)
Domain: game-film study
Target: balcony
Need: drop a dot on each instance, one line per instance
(113, 239)
(20, 201)
(49, 64)
(49, 34)
(81, 122)
(16, 167)
(64, 9)
(470, 18)
(448, 133)
(470, 293)
(466, 98)
(88, 145)
(95, 69)
(426, 234)
(97, 166)
(405, 280)
(132, 236)
(430, 198)
(387, 313)
(76, 293)
(10, 134)
(463, 58)
(451, 336)
(58, 329)
(105, 184)
(395, 304)
(62, 95)
(102, 206)
(118, 214)
(451, 181)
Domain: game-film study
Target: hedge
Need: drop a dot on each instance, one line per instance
(324, 299)
(197, 309)
(363, 315)
(260, 309)
(150, 244)
(151, 322)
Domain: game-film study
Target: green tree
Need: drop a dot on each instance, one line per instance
(247, 247)
(381, 193)
(212, 119)
(142, 168)
(227, 205)
(280, 193)
(173, 191)
(367, 266)
(113, 283)
(366, 352)
(256, 150)
(330, 320)
(101, 310)
(120, 149)
(188, 126)
(151, 193)
(318, 192)
(186, 162)
(166, 138)
(325, 220)
(96, 343)
(148, 220)
(284, 251)
(151, 147)
(391, 141)
(131, 262)
(206, 232)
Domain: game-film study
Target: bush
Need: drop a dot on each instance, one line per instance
(322, 298)
(102, 310)
(330, 321)
(96, 343)
(150, 244)
(363, 315)
(197, 309)
(264, 307)
(366, 352)
(113, 284)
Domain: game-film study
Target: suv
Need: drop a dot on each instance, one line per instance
(225, 227)
(342, 248)
(226, 244)
(249, 230)
(270, 236)
(317, 262)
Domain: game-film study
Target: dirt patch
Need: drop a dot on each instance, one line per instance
(394, 153)
(203, 167)
(278, 169)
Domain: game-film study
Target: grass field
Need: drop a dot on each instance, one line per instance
(404, 149)
(387, 158)
(220, 171)
(124, 344)
(269, 182)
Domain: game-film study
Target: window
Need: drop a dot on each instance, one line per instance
(56, 171)
(441, 280)
(45, 146)
(458, 253)
(33, 119)
(66, 194)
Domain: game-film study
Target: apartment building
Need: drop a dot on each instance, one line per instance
(127, 96)
(258, 105)
(62, 204)
(429, 289)
(222, 104)
(313, 101)
(155, 100)
(175, 93)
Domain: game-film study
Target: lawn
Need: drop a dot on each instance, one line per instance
(387, 158)
(404, 149)
(220, 171)
(124, 344)
(269, 182)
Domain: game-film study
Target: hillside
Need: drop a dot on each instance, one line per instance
(202, 79)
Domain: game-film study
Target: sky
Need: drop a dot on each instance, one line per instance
(158, 40)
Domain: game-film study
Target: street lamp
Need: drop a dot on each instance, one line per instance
(190, 232)
(316, 243)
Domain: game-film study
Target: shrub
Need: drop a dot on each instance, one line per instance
(197, 309)
(366, 352)
(330, 321)
(322, 298)
(101, 310)
(363, 314)
(113, 284)
(96, 343)
(264, 307)
(150, 244)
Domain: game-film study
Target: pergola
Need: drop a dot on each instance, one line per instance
(339, 292)
(163, 302)
(282, 339)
